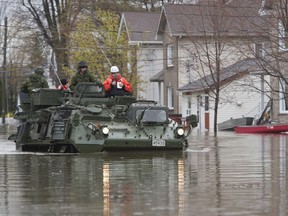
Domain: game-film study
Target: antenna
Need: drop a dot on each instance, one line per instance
(103, 52)
(4, 67)
(105, 56)
(50, 62)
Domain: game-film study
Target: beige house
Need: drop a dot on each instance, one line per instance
(206, 39)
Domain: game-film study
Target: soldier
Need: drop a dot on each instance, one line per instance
(36, 80)
(82, 75)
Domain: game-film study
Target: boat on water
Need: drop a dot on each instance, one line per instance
(267, 128)
(85, 120)
(231, 123)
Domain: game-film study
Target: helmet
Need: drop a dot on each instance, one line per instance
(39, 71)
(114, 69)
(63, 81)
(82, 64)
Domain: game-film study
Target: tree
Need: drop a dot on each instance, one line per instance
(96, 41)
(55, 20)
(274, 59)
(272, 55)
(218, 40)
(209, 52)
(24, 54)
(3, 8)
(3, 34)
(135, 5)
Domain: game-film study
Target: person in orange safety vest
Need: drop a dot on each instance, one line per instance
(116, 85)
(64, 85)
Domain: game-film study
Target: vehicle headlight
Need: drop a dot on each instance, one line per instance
(105, 130)
(180, 131)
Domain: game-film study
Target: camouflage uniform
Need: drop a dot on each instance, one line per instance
(36, 80)
(86, 77)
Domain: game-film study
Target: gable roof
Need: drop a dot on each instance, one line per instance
(141, 27)
(229, 73)
(237, 17)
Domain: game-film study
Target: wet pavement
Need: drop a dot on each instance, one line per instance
(233, 174)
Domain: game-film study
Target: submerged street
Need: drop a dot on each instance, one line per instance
(233, 174)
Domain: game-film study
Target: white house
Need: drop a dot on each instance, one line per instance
(141, 30)
(240, 94)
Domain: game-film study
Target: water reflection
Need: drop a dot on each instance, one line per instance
(228, 175)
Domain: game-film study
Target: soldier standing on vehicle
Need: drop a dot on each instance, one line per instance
(116, 85)
(34, 81)
(82, 75)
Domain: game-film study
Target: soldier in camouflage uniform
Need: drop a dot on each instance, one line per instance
(36, 80)
(83, 75)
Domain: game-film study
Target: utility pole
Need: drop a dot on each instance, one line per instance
(4, 70)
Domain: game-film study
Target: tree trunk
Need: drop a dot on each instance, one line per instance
(62, 60)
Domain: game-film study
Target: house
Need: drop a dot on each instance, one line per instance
(141, 30)
(240, 96)
(206, 39)
(278, 18)
(203, 47)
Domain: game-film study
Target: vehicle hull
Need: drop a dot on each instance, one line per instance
(109, 145)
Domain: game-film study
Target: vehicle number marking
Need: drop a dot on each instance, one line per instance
(158, 142)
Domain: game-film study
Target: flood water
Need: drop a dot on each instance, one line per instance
(229, 175)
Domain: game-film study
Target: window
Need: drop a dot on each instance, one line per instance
(170, 55)
(188, 111)
(170, 101)
(259, 50)
(152, 115)
(206, 103)
(283, 97)
(191, 65)
(282, 37)
(147, 115)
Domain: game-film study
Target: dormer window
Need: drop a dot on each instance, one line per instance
(283, 39)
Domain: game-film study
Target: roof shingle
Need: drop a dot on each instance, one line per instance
(236, 17)
(237, 69)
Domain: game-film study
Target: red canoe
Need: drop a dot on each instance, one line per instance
(273, 128)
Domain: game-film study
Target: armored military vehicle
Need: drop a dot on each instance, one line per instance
(85, 120)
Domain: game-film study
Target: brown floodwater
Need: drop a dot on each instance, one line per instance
(233, 174)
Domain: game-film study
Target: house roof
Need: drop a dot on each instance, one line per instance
(237, 17)
(229, 73)
(141, 27)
